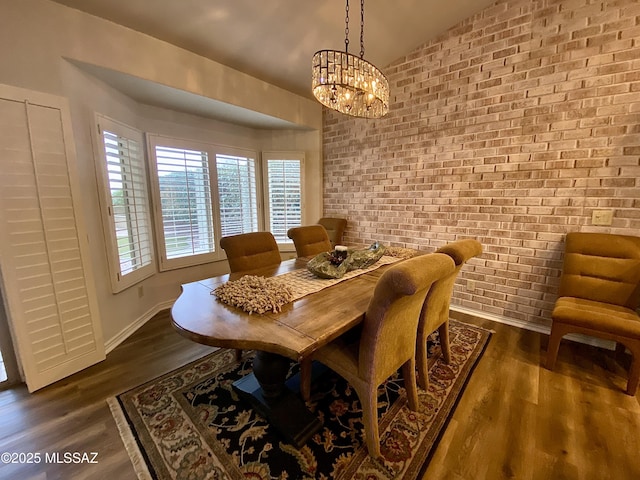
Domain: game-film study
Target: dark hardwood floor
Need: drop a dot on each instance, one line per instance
(515, 419)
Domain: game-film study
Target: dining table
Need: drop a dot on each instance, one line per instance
(293, 333)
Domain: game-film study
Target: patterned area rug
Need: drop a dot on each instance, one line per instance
(190, 424)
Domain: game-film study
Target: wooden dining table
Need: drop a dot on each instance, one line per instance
(293, 333)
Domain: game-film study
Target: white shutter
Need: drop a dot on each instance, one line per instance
(124, 202)
(183, 190)
(129, 206)
(46, 276)
(237, 194)
(284, 190)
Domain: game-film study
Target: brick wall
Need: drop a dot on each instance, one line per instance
(512, 127)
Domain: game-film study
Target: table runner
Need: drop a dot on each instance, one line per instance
(260, 297)
(302, 282)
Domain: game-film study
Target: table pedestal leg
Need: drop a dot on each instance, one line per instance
(265, 389)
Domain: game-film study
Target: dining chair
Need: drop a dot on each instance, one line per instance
(248, 251)
(310, 240)
(335, 228)
(435, 312)
(387, 338)
(599, 295)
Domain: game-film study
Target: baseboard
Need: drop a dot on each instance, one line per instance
(130, 330)
(576, 337)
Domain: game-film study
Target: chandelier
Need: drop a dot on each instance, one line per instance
(347, 83)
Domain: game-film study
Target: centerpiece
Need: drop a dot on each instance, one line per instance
(342, 259)
(339, 255)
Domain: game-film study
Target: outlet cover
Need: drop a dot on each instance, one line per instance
(602, 217)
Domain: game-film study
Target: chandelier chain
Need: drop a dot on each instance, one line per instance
(346, 28)
(361, 28)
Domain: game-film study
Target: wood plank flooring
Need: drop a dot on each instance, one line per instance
(515, 419)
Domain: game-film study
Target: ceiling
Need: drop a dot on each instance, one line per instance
(274, 40)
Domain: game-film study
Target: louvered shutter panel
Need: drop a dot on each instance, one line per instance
(185, 199)
(237, 194)
(284, 194)
(47, 278)
(129, 205)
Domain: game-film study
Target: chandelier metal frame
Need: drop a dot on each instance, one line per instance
(347, 83)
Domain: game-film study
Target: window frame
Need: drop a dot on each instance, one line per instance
(212, 150)
(241, 153)
(165, 263)
(267, 156)
(121, 281)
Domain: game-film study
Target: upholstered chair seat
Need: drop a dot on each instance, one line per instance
(386, 340)
(310, 240)
(599, 295)
(571, 311)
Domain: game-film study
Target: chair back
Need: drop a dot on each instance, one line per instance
(249, 251)
(389, 328)
(310, 240)
(436, 309)
(602, 267)
(335, 228)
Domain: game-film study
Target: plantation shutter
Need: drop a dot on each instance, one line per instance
(128, 201)
(184, 191)
(284, 196)
(45, 267)
(237, 194)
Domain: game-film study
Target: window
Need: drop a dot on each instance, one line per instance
(237, 194)
(183, 192)
(185, 201)
(204, 192)
(125, 204)
(200, 199)
(284, 193)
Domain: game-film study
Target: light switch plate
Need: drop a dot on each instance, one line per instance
(602, 217)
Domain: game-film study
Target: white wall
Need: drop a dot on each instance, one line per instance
(35, 38)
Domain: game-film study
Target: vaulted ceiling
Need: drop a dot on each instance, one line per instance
(274, 40)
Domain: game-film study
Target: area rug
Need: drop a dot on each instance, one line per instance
(190, 424)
